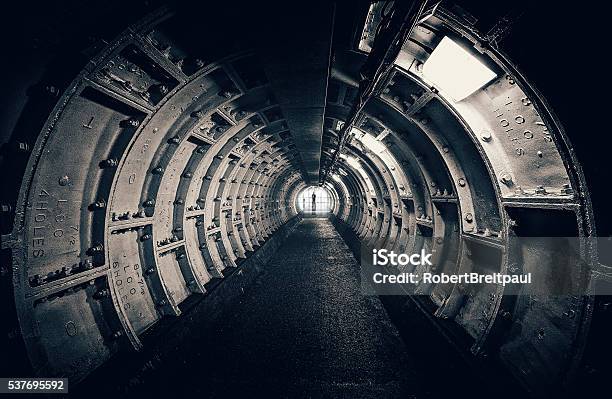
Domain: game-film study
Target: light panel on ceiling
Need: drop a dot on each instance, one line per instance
(455, 71)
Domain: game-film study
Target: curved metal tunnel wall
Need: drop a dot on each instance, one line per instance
(160, 170)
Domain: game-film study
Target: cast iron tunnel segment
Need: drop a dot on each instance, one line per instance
(191, 167)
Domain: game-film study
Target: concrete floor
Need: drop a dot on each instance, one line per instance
(305, 330)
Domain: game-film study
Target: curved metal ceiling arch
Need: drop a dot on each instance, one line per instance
(508, 159)
(180, 168)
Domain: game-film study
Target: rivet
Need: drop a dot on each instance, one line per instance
(103, 293)
(64, 180)
(469, 217)
(567, 189)
(96, 249)
(109, 163)
(22, 146)
(541, 333)
(52, 90)
(133, 122)
(99, 204)
(88, 265)
(506, 179)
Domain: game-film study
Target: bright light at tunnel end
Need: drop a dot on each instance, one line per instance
(455, 71)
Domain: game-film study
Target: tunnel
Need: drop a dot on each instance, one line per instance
(189, 190)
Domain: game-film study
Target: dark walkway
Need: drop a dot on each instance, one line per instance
(304, 330)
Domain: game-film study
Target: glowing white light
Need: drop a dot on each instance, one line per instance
(336, 178)
(455, 71)
(354, 162)
(321, 202)
(369, 141)
(372, 144)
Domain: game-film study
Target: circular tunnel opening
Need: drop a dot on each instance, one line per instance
(315, 200)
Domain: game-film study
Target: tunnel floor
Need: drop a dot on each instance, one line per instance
(304, 329)
(319, 335)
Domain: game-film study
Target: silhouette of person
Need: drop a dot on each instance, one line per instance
(314, 202)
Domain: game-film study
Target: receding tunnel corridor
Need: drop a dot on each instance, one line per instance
(344, 198)
(304, 328)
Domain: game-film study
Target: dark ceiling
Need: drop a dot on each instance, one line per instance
(557, 47)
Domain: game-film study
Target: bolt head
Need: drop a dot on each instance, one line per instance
(506, 179)
(64, 180)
